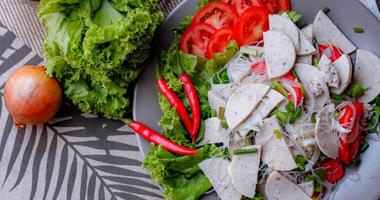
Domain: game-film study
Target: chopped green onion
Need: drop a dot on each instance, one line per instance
(336, 97)
(249, 50)
(221, 113)
(293, 15)
(326, 10)
(355, 91)
(304, 92)
(213, 113)
(364, 146)
(277, 133)
(315, 61)
(336, 114)
(313, 118)
(201, 132)
(224, 124)
(279, 88)
(355, 161)
(359, 30)
(245, 151)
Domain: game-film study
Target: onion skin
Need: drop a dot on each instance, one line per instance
(31, 96)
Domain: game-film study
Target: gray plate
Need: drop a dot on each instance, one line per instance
(346, 14)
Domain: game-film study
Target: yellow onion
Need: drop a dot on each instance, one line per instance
(31, 96)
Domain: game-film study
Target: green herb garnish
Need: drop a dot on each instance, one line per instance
(245, 151)
(363, 147)
(336, 97)
(279, 88)
(301, 161)
(355, 91)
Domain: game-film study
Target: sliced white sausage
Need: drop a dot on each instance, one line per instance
(244, 169)
(307, 187)
(242, 102)
(254, 122)
(224, 90)
(325, 31)
(344, 67)
(215, 101)
(305, 46)
(274, 150)
(308, 32)
(367, 73)
(279, 53)
(305, 59)
(213, 132)
(280, 188)
(216, 170)
(326, 137)
(285, 25)
(308, 76)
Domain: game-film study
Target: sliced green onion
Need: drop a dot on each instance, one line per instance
(359, 30)
(304, 92)
(277, 133)
(336, 114)
(326, 10)
(224, 124)
(281, 116)
(279, 88)
(213, 113)
(249, 50)
(314, 118)
(364, 146)
(355, 161)
(336, 97)
(315, 61)
(245, 151)
(221, 113)
(377, 101)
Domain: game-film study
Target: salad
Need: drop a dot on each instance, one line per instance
(257, 104)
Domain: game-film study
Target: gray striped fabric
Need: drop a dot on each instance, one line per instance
(74, 156)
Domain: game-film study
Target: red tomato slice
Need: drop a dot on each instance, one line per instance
(195, 39)
(217, 14)
(349, 146)
(276, 6)
(334, 170)
(296, 89)
(231, 2)
(348, 118)
(251, 25)
(331, 52)
(242, 5)
(219, 41)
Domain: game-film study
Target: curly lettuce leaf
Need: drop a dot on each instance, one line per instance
(97, 50)
(180, 176)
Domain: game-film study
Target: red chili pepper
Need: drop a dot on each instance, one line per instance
(192, 96)
(335, 51)
(176, 103)
(159, 139)
(349, 145)
(296, 89)
(334, 170)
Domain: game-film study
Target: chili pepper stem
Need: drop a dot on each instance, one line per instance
(127, 121)
(158, 73)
